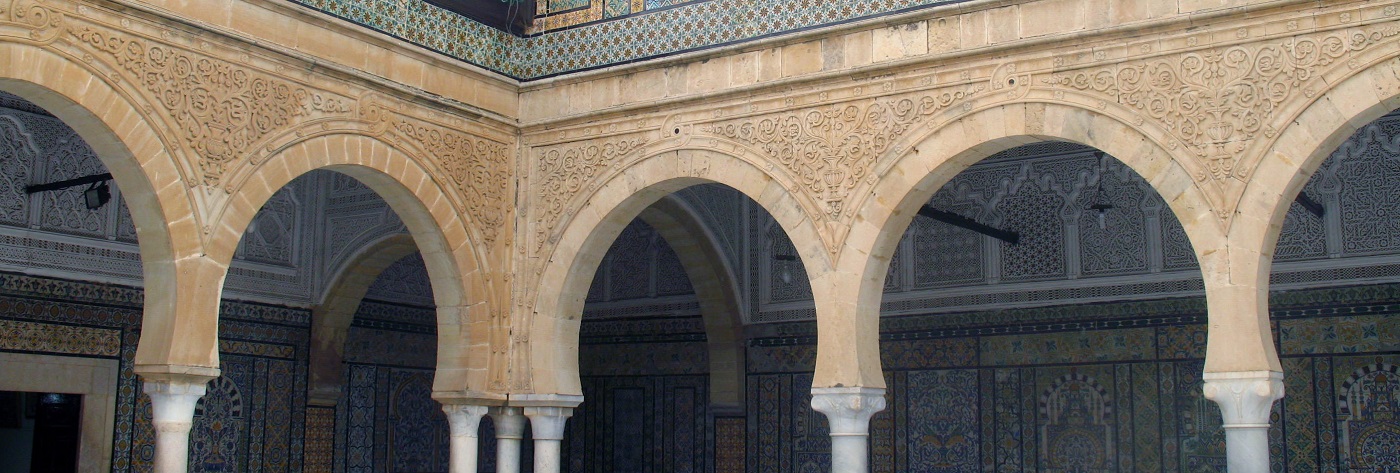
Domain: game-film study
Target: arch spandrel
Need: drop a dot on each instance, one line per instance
(547, 355)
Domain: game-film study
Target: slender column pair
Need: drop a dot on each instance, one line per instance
(547, 416)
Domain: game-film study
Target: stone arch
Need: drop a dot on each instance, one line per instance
(911, 179)
(112, 123)
(1324, 122)
(716, 288)
(439, 232)
(330, 320)
(584, 241)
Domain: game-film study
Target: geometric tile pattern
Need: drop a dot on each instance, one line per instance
(320, 440)
(600, 33)
(1083, 395)
(39, 337)
(729, 445)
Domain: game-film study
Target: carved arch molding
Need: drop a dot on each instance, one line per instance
(222, 108)
(1214, 98)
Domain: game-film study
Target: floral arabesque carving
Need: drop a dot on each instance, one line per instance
(220, 110)
(480, 169)
(564, 172)
(829, 150)
(1217, 102)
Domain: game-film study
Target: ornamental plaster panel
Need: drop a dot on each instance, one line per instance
(225, 105)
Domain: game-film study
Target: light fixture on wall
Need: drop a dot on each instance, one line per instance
(96, 195)
(1098, 205)
(784, 260)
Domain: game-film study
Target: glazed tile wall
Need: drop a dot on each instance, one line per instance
(252, 418)
(600, 33)
(646, 402)
(386, 418)
(1107, 387)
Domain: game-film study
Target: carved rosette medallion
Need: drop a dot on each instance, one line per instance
(43, 23)
(830, 150)
(564, 172)
(1218, 102)
(220, 110)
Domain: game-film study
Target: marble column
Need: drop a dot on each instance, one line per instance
(1245, 399)
(547, 428)
(510, 429)
(848, 412)
(173, 401)
(463, 420)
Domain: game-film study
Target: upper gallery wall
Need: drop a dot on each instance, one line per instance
(578, 35)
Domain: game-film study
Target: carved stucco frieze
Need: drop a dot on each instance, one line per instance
(478, 167)
(564, 172)
(1219, 102)
(830, 150)
(221, 110)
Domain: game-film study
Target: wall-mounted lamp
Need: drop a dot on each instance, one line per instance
(780, 254)
(97, 194)
(1098, 205)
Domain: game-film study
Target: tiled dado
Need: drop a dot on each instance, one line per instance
(24, 336)
(588, 34)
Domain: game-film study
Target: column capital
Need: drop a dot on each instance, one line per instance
(509, 422)
(848, 410)
(463, 420)
(547, 422)
(173, 399)
(1245, 398)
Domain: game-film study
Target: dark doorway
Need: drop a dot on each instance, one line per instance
(46, 426)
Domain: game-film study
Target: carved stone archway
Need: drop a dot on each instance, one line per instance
(599, 216)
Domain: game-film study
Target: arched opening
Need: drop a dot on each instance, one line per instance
(675, 299)
(81, 232)
(661, 352)
(1034, 318)
(1333, 281)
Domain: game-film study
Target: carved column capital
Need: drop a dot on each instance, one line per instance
(848, 410)
(509, 422)
(1245, 398)
(547, 423)
(464, 420)
(173, 399)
